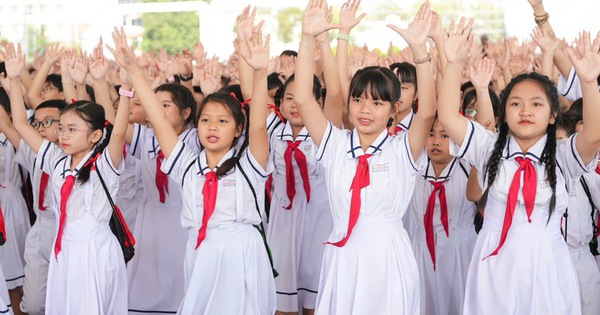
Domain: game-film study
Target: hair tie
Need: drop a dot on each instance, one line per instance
(106, 123)
(92, 160)
(276, 111)
(73, 100)
(244, 103)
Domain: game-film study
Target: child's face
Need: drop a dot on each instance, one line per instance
(561, 134)
(75, 136)
(43, 117)
(288, 106)
(438, 144)
(50, 92)
(217, 128)
(408, 96)
(136, 111)
(369, 116)
(174, 116)
(528, 111)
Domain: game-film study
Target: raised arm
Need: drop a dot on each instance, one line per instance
(98, 68)
(15, 62)
(256, 55)
(542, 19)
(586, 60)
(333, 103)
(69, 91)
(314, 22)
(7, 128)
(416, 37)
(348, 20)
(548, 45)
(79, 70)
(121, 130)
(481, 75)
(166, 135)
(34, 92)
(456, 47)
(245, 24)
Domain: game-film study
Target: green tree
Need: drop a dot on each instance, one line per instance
(288, 19)
(171, 30)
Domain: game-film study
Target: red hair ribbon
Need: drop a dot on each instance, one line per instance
(244, 103)
(275, 109)
(92, 160)
(106, 123)
(73, 100)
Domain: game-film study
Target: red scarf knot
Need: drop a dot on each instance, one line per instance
(598, 169)
(209, 194)
(290, 174)
(161, 179)
(529, 191)
(361, 180)
(43, 185)
(438, 187)
(65, 193)
(2, 227)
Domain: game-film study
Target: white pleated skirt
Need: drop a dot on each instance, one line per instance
(16, 222)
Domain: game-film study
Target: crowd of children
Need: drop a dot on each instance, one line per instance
(450, 177)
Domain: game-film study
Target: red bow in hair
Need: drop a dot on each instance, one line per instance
(275, 109)
(244, 103)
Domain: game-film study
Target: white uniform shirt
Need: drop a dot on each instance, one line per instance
(235, 201)
(569, 87)
(9, 170)
(89, 197)
(392, 175)
(26, 158)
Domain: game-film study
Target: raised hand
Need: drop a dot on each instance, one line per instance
(98, 65)
(52, 54)
(534, 3)
(257, 53)
(184, 63)
(481, 73)
(208, 78)
(436, 26)
(245, 22)
(324, 37)
(546, 42)
(315, 18)
(585, 57)
(199, 53)
(348, 18)
(79, 68)
(502, 55)
(14, 61)
(418, 30)
(163, 60)
(458, 41)
(122, 52)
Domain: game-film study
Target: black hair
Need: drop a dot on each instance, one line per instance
(4, 100)
(549, 152)
(576, 110)
(197, 89)
(377, 82)
(234, 107)
(182, 97)
(465, 86)
(236, 89)
(290, 53)
(273, 81)
(94, 116)
(90, 91)
(568, 123)
(317, 89)
(471, 96)
(58, 104)
(55, 80)
(406, 73)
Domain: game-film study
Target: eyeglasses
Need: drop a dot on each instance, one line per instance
(470, 112)
(48, 89)
(69, 132)
(46, 123)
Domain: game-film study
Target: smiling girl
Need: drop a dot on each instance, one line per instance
(521, 263)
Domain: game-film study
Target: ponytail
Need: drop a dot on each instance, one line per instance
(84, 173)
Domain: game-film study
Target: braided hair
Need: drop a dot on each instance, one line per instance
(549, 152)
(93, 114)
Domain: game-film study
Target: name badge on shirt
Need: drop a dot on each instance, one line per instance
(229, 183)
(308, 148)
(544, 184)
(377, 168)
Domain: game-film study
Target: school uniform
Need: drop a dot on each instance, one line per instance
(38, 244)
(570, 87)
(579, 233)
(155, 274)
(298, 228)
(404, 124)
(228, 272)
(594, 185)
(375, 271)
(531, 272)
(452, 236)
(16, 216)
(131, 189)
(87, 275)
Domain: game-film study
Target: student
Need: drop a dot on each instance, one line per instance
(87, 269)
(520, 263)
(226, 267)
(39, 240)
(368, 265)
(445, 234)
(407, 74)
(580, 224)
(155, 276)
